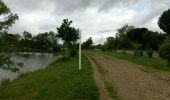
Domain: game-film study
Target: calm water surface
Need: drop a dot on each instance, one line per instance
(31, 62)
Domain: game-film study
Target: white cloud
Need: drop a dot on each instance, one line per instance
(96, 18)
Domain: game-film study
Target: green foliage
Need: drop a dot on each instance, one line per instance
(124, 30)
(73, 50)
(124, 42)
(7, 64)
(164, 50)
(87, 44)
(137, 49)
(149, 53)
(164, 21)
(47, 41)
(110, 43)
(135, 35)
(9, 19)
(103, 47)
(68, 34)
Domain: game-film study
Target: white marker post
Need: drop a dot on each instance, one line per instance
(79, 50)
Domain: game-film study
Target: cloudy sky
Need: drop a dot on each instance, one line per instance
(96, 18)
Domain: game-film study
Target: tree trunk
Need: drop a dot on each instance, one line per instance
(67, 50)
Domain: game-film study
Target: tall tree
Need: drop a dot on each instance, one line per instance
(68, 34)
(7, 19)
(123, 41)
(164, 24)
(164, 21)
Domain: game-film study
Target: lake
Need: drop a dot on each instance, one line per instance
(31, 62)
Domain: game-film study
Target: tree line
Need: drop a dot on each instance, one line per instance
(138, 39)
(43, 42)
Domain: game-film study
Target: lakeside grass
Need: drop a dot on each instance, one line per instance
(61, 80)
(150, 63)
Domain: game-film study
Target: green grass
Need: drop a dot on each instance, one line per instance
(155, 63)
(61, 80)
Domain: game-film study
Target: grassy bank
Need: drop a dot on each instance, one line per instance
(60, 81)
(155, 63)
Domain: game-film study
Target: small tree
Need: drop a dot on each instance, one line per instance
(87, 44)
(68, 34)
(110, 43)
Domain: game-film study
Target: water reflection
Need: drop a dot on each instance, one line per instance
(31, 62)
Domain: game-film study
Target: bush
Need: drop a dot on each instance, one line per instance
(5, 81)
(138, 53)
(164, 50)
(149, 53)
(64, 59)
(73, 52)
(124, 51)
(103, 48)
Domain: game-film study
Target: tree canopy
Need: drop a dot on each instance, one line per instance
(87, 44)
(8, 18)
(164, 21)
(69, 35)
(66, 32)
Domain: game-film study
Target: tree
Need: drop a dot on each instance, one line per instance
(116, 43)
(7, 19)
(27, 36)
(164, 24)
(164, 21)
(87, 44)
(47, 41)
(124, 30)
(164, 50)
(110, 43)
(26, 41)
(68, 34)
(123, 41)
(136, 34)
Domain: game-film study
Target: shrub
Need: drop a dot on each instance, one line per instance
(5, 81)
(64, 59)
(149, 53)
(124, 51)
(73, 52)
(138, 53)
(164, 50)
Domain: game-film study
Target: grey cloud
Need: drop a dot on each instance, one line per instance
(105, 31)
(47, 27)
(95, 17)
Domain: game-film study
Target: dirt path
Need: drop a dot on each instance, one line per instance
(99, 82)
(130, 81)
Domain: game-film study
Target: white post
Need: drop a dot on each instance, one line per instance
(79, 50)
